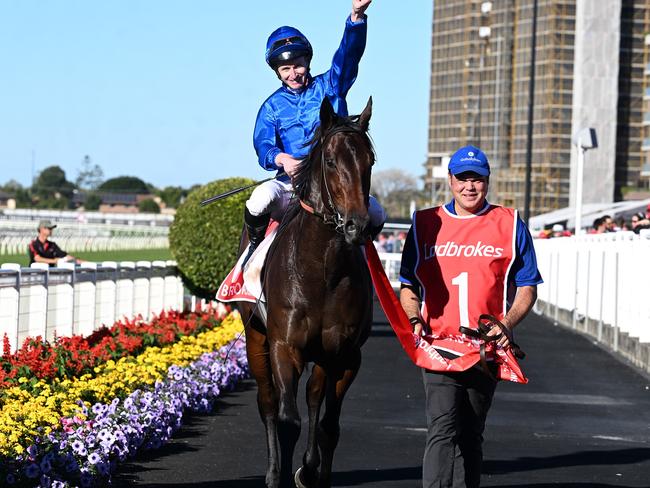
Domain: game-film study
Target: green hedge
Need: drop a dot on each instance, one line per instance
(204, 240)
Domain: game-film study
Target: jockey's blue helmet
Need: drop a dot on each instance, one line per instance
(286, 43)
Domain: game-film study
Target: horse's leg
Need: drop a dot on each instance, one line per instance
(338, 382)
(308, 474)
(257, 351)
(287, 367)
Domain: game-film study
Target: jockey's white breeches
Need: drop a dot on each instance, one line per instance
(273, 197)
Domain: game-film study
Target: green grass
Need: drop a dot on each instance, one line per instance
(130, 255)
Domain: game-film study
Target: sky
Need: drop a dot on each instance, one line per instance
(168, 91)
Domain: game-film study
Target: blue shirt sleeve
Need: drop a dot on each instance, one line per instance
(409, 262)
(265, 138)
(524, 270)
(345, 64)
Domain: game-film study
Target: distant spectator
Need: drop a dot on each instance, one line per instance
(558, 231)
(399, 242)
(610, 226)
(390, 243)
(639, 222)
(380, 243)
(621, 224)
(42, 250)
(599, 226)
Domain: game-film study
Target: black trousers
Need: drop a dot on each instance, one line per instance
(456, 407)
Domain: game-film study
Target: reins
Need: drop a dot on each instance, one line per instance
(485, 324)
(334, 218)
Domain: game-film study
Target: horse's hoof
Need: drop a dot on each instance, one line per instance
(297, 480)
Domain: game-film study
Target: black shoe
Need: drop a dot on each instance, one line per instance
(256, 227)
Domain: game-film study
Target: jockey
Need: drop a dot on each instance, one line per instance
(288, 119)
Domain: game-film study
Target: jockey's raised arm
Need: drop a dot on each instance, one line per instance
(289, 117)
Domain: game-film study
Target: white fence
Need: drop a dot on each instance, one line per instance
(61, 301)
(601, 283)
(596, 284)
(72, 244)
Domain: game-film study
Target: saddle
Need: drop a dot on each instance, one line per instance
(244, 284)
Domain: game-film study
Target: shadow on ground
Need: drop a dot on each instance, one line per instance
(582, 458)
(345, 478)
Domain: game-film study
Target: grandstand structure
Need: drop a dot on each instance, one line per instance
(480, 78)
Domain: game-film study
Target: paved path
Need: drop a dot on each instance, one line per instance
(582, 421)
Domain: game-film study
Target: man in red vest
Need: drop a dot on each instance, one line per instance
(460, 261)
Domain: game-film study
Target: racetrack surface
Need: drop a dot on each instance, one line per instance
(582, 421)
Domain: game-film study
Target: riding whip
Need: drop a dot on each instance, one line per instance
(232, 192)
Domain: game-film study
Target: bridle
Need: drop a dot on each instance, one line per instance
(333, 217)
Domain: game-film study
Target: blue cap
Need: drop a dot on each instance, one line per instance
(469, 158)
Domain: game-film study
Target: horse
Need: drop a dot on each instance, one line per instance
(319, 300)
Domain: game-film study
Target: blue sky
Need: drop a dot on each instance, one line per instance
(168, 91)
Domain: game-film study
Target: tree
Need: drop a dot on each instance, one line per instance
(395, 189)
(11, 186)
(52, 189)
(149, 206)
(89, 176)
(172, 195)
(204, 240)
(125, 184)
(93, 201)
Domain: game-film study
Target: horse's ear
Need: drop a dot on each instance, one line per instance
(327, 115)
(364, 118)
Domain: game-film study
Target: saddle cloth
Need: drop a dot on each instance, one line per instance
(245, 285)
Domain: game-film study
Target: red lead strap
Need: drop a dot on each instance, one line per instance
(422, 350)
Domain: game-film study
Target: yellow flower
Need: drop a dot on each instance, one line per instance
(23, 413)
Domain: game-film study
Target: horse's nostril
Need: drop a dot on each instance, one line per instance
(351, 227)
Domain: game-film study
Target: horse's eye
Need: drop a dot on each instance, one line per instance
(330, 163)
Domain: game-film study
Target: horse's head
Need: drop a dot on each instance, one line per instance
(335, 178)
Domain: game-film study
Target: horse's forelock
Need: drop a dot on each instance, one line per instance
(302, 180)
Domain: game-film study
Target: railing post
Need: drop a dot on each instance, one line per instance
(85, 289)
(141, 285)
(602, 297)
(616, 301)
(9, 303)
(125, 290)
(105, 294)
(157, 288)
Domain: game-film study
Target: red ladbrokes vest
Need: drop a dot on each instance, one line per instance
(463, 265)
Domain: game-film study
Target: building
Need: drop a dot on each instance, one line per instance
(591, 70)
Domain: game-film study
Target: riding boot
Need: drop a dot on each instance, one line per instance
(256, 227)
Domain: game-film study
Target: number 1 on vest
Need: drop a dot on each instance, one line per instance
(462, 282)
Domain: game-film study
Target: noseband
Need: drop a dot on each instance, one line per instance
(333, 217)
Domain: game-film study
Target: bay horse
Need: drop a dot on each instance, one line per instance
(319, 299)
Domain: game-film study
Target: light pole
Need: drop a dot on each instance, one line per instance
(484, 32)
(585, 139)
(531, 104)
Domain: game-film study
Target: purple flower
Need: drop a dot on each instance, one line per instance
(94, 458)
(32, 471)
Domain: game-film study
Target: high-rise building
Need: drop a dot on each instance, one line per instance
(591, 70)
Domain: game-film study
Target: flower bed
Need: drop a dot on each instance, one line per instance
(74, 430)
(77, 355)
